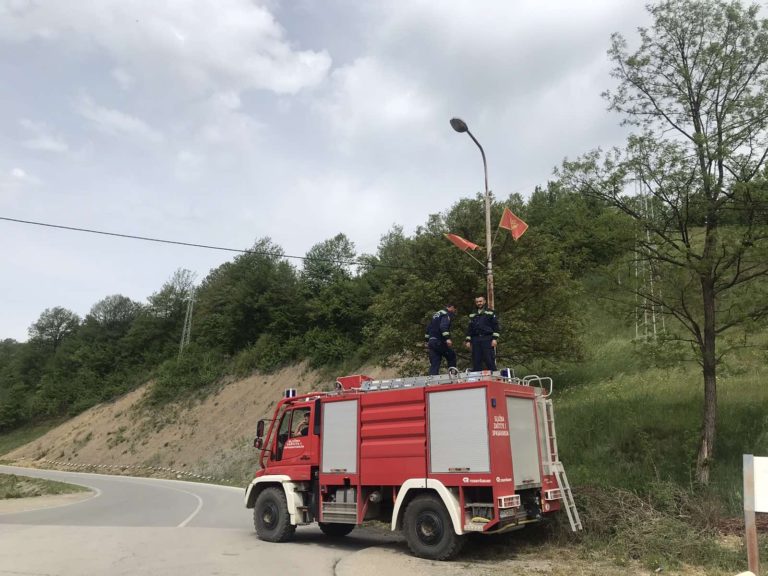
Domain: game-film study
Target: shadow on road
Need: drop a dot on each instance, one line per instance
(359, 539)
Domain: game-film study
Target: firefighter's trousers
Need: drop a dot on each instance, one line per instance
(438, 350)
(483, 353)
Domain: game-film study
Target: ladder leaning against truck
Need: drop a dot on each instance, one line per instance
(436, 457)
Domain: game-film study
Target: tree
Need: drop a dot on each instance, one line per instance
(171, 299)
(337, 301)
(257, 293)
(53, 325)
(591, 234)
(328, 262)
(13, 393)
(114, 312)
(154, 335)
(696, 90)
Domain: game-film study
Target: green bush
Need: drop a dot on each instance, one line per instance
(266, 355)
(327, 347)
(248, 360)
(194, 370)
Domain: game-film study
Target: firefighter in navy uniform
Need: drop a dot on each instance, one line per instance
(438, 339)
(482, 336)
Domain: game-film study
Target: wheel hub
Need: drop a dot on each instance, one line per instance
(429, 528)
(269, 516)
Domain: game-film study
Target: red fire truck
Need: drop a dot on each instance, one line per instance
(437, 457)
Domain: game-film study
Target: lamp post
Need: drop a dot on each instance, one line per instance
(460, 126)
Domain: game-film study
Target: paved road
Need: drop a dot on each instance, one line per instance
(151, 526)
(141, 502)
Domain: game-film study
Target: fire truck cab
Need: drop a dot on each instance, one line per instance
(437, 457)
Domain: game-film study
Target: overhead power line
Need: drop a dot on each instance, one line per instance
(207, 246)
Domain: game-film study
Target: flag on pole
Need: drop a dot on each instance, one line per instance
(512, 223)
(460, 243)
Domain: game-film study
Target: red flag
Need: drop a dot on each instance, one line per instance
(512, 223)
(460, 243)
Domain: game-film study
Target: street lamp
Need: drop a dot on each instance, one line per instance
(460, 126)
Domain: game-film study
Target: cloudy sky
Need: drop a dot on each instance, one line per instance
(223, 121)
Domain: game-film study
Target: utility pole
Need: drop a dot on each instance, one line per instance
(460, 126)
(186, 332)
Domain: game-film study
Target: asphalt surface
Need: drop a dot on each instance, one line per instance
(151, 526)
(140, 502)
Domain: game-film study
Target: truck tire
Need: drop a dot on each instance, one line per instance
(270, 516)
(428, 529)
(335, 530)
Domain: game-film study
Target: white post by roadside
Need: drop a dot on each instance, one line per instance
(755, 500)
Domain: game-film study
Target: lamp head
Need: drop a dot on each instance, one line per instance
(459, 125)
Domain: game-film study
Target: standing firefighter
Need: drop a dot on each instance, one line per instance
(482, 335)
(438, 338)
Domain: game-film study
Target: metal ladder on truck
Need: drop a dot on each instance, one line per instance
(554, 464)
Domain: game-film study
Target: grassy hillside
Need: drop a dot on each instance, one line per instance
(628, 419)
(629, 415)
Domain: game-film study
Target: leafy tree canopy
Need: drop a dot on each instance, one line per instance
(53, 325)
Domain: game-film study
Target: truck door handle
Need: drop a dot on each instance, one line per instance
(305, 457)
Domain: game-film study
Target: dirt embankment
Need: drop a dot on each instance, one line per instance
(209, 437)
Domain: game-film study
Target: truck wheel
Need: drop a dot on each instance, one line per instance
(335, 530)
(270, 516)
(428, 529)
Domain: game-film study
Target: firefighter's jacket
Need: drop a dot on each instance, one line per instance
(483, 325)
(440, 326)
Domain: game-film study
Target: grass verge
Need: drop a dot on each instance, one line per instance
(13, 486)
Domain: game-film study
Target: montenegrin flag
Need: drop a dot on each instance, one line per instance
(460, 243)
(512, 223)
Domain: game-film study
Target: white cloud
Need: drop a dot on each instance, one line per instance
(21, 176)
(46, 143)
(41, 138)
(189, 164)
(208, 43)
(370, 99)
(525, 75)
(15, 181)
(226, 100)
(123, 78)
(222, 138)
(115, 122)
(323, 196)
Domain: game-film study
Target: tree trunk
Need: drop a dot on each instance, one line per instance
(709, 370)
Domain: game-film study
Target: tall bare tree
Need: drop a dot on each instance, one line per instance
(695, 88)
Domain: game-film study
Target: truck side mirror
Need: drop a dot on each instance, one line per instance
(258, 443)
(260, 429)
